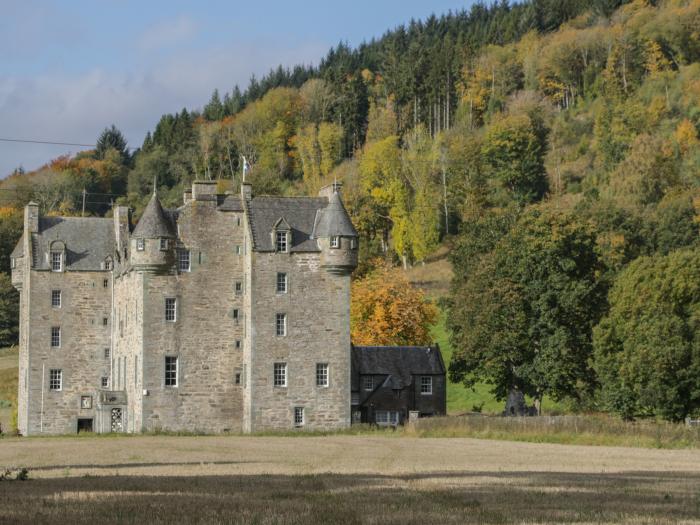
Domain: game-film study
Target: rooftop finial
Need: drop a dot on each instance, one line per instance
(245, 166)
(155, 184)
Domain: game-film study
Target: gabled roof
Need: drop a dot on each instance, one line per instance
(155, 222)
(398, 363)
(88, 241)
(19, 248)
(298, 212)
(333, 220)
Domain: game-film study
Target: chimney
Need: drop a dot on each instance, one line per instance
(187, 196)
(246, 191)
(121, 227)
(31, 218)
(204, 190)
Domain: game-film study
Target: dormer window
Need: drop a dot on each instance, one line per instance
(56, 261)
(281, 242)
(335, 242)
(140, 245)
(163, 244)
(108, 264)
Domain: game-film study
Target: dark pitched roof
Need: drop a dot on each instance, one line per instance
(399, 363)
(333, 220)
(230, 203)
(19, 248)
(299, 212)
(154, 221)
(88, 241)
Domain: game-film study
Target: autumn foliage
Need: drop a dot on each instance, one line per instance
(387, 310)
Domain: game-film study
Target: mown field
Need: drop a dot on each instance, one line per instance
(343, 479)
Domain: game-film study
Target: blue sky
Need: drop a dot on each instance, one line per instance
(69, 69)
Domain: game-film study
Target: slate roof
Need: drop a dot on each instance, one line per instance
(155, 222)
(299, 212)
(398, 363)
(333, 220)
(19, 248)
(88, 241)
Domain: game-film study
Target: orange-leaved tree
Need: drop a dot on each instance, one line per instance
(387, 310)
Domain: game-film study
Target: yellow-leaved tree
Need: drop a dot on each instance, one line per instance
(387, 310)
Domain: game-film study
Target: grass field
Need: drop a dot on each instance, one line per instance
(8, 384)
(343, 479)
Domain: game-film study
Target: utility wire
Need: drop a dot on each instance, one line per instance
(31, 141)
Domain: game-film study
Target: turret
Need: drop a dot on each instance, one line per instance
(336, 236)
(152, 243)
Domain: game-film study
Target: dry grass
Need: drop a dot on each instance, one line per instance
(435, 276)
(9, 361)
(344, 479)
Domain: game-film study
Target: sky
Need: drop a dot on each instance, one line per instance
(70, 69)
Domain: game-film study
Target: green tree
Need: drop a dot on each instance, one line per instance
(522, 316)
(9, 311)
(112, 138)
(647, 349)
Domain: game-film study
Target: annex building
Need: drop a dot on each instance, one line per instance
(229, 313)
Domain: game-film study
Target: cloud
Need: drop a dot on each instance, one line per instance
(76, 108)
(168, 33)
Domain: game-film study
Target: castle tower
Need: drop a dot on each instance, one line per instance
(152, 244)
(337, 237)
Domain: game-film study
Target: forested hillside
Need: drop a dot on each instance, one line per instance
(555, 143)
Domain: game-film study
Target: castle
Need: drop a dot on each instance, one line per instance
(230, 313)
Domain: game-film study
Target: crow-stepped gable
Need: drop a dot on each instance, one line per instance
(230, 313)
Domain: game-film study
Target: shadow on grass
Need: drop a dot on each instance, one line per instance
(438, 497)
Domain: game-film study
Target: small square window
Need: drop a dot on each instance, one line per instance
(55, 379)
(353, 243)
(335, 242)
(281, 283)
(171, 366)
(281, 325)
(298, 416)
(183, 260)
(280, 374)
(239, 287)
(238, 344)
(170, 309)
(86, 402)
(56, 261)
(237, 378)
(56, 298)
(281, 241)
(104, 382)
(108, 353)
(239, 250)
(55, 336)
(236, 314)
(426, 385)
(140, 245)
(164, 244)
(321, 374)
(105, 321)
(105, 283)
(368, 383)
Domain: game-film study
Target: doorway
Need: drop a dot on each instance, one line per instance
(84, 425)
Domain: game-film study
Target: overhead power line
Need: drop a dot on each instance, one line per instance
(52, 142)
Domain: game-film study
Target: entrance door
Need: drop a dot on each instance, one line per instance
(117, 425)
(84, 425)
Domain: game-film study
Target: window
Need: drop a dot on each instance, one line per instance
(105, 321)
(280, 374)
(105, 283)
(108, 264)
(281, 241)
(104, 382)
(56, 298)
(140, 245)
(183, 260)
(335, 242)
(353, 243)
(55, 379)
(170, 371)
(281, 324)
(13, 263)
(163, 244)
(426, 385)
(239, 250)
(238, 378)
(368, 383)
(298, 416)
(238, 344)
(55, 336)
(238, 221)
(385, 418)
(239, 287)
(56, 261)
(108, 353)
(321, 374)
(86, 402)
(236, 314)
(281, 283)
(170, 309)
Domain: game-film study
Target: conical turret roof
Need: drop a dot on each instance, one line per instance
(333, 220)
(153, 222)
